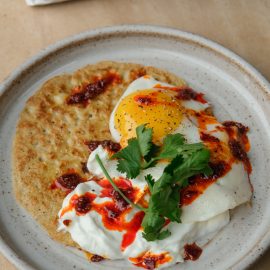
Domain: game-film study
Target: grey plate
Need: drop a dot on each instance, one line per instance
(236, 90)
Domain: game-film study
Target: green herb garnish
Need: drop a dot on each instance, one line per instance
(133, 158)
(185, 160)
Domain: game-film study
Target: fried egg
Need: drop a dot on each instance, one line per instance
(158, 104)
(205, 202)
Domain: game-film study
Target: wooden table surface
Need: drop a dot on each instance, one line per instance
(240, 25)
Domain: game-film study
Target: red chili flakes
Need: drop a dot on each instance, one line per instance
(125, 186)
(237, 150)
(238, 142)
(96, 258)
(150, 262)
(107, 144)
(92, 145)
(198, 183)
(151, 100)
(186, 94)
(92, 90)
(121, 204)
(84, 167)
(237, 131)
(219, 168)
(113, 212)
(144, 100)
(241, 128)
(66, 222)
(69, 181)
(83, 205)
(190, 94)
(53, 186)
(240, 154)
(192, 252)
(208, 138)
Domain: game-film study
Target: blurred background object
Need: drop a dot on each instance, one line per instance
(42, 2)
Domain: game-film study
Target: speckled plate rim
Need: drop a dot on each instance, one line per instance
(145, 30)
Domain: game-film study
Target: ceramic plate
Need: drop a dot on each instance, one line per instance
(236, 90)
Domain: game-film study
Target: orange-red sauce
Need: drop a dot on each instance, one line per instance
(223, 155)
(151, 261)
(199, 183)
(238, 142)
(113, 212)
(82, 94)
(184, 93)
(190, 94)
(152, 99)
(81, 203)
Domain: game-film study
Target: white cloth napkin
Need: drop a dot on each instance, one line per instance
(42, 2)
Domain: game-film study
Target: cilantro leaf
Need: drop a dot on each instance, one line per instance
(187, 149)
(162, 204)
(196, 163)
(144, 137)
(129, 159)
(150, 181)
(172, 209)
(166, 202)
(163, 234)
(155, 149)
(152, 224)
(142, 153)
(171, 144)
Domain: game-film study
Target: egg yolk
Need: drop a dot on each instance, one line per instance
(159, 109)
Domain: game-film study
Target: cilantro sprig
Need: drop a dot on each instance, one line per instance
(134, 158)
(184, 161)
(165, 196)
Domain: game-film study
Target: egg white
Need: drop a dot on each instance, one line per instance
(226, 193)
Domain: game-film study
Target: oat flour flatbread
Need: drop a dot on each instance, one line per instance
(50, 136)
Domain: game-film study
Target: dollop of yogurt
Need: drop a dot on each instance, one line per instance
(100, 223)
